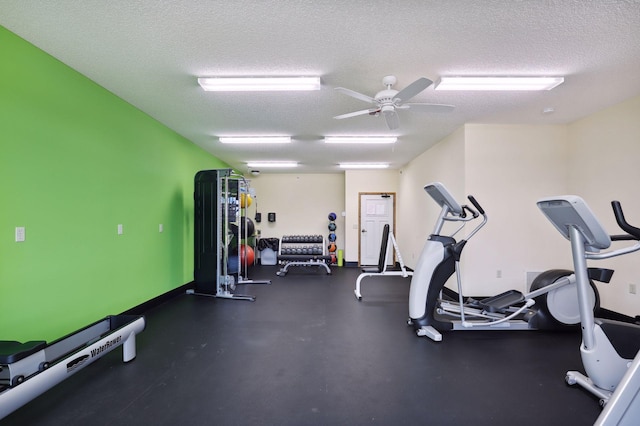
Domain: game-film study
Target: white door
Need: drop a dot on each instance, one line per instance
(376, 210)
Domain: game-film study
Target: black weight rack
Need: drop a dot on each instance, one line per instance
(303, 250)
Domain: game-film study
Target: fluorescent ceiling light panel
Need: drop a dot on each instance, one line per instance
(265, 164)
(251, 84)
(255, 139)
(498, 83)
(360, 139)
(363, 165)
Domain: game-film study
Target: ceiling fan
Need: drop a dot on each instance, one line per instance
(389, 100)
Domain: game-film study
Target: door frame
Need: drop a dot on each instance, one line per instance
(381, 193)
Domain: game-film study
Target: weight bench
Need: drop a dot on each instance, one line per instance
(381, 270)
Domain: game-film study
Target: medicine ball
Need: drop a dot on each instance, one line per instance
(250, 227)
(245, 200)
(332, 226)
(332, 216)
(332, 237)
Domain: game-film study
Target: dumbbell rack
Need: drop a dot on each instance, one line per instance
(302, 250)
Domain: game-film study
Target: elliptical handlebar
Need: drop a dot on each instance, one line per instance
(475, 215)
(472, 211)
(476, 204)
(633, 233)
(622, 222)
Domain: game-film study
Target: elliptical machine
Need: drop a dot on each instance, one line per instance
(608, 347)
(434, 308)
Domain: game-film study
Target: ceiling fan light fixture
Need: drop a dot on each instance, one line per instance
(363, 165)
(498, 83)
(388, 102)
(255, 139)
(361, 139)
(258, 84)
(272, 164)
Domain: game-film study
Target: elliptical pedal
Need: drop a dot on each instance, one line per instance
(502, 301)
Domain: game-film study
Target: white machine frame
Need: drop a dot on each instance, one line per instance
(514, 312)
(382, 268)
(609, 376)
(623, 407)
(47, 367)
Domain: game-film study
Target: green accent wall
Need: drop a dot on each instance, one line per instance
(75, 162)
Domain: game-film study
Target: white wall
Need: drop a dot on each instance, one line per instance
(357, 181)
(301, 203)
(508, 168)
(603, 166)
(417, 212)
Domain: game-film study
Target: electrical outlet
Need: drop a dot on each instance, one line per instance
(160, 228)
(499, 273)
(632, 288)
(120, 229)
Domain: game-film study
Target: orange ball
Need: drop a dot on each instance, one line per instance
(247, 255)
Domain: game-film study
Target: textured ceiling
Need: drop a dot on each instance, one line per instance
(150, 52)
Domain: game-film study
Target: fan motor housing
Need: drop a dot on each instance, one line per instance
(386, 96)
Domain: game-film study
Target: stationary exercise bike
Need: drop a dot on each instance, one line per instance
(434, 308)
(608, 347)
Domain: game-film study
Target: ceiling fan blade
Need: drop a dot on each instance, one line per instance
(391, 117)
(411, 90)
(354, 94)
(428, 107)
(356, 113)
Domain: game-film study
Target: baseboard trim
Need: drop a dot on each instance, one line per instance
(142, 308)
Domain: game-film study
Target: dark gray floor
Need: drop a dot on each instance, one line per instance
(307, 353)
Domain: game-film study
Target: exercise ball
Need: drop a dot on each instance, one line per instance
(332, 247)
(247, 256)
(332, 216)
(332, 237)
(332, 226)
(246, 223)
(245, 200)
